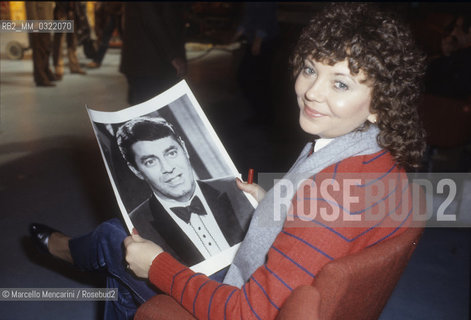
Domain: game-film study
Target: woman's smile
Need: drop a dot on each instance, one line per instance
(313, 113)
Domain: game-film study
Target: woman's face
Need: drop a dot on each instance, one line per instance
(332, 102)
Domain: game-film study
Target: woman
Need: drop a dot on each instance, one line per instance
(357, 81)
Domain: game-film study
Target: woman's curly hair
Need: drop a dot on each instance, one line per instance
(383, 48)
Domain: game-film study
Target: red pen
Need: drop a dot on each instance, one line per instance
(250, 176)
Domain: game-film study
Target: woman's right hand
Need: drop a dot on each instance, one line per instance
(253, 189)
(140, 253)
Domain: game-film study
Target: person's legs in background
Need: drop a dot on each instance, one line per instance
(74, 64)
(57, 55)
(104, 42)
(41, 45)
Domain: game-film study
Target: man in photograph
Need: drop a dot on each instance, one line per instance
(193, 219)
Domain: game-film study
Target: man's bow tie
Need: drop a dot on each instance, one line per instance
(184, 213)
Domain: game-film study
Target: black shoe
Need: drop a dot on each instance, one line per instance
(40, 235)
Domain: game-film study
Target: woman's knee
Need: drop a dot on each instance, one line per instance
(111, 230)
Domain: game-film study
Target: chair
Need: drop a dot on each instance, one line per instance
(162, 307)
(356, 286)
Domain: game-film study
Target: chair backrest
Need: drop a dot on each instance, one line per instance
(356, 286)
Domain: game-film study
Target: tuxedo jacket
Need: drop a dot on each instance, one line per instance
(229, 206)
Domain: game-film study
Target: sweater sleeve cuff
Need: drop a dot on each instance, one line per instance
(163, 270)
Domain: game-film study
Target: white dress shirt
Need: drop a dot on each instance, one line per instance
(202, 230)
(321, 143)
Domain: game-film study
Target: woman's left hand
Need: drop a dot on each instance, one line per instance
(140, 253)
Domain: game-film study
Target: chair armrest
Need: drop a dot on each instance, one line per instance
(302, 304)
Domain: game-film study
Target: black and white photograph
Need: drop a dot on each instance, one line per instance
(235, 160)
(173, 180)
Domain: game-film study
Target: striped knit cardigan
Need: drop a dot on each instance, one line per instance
(307, 241)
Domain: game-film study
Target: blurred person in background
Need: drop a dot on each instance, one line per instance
(41, 43)
(449, 74)
(153, 54)
(108, 17)
(66, 10)
(260, 29)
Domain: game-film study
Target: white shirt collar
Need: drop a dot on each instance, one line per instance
(321, 143)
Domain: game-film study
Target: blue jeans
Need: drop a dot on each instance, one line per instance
(102, 250)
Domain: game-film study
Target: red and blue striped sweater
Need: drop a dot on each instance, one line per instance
(307, 241)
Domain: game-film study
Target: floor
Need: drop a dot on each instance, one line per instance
(51, 171)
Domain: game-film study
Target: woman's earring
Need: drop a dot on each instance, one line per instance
(372, 118)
